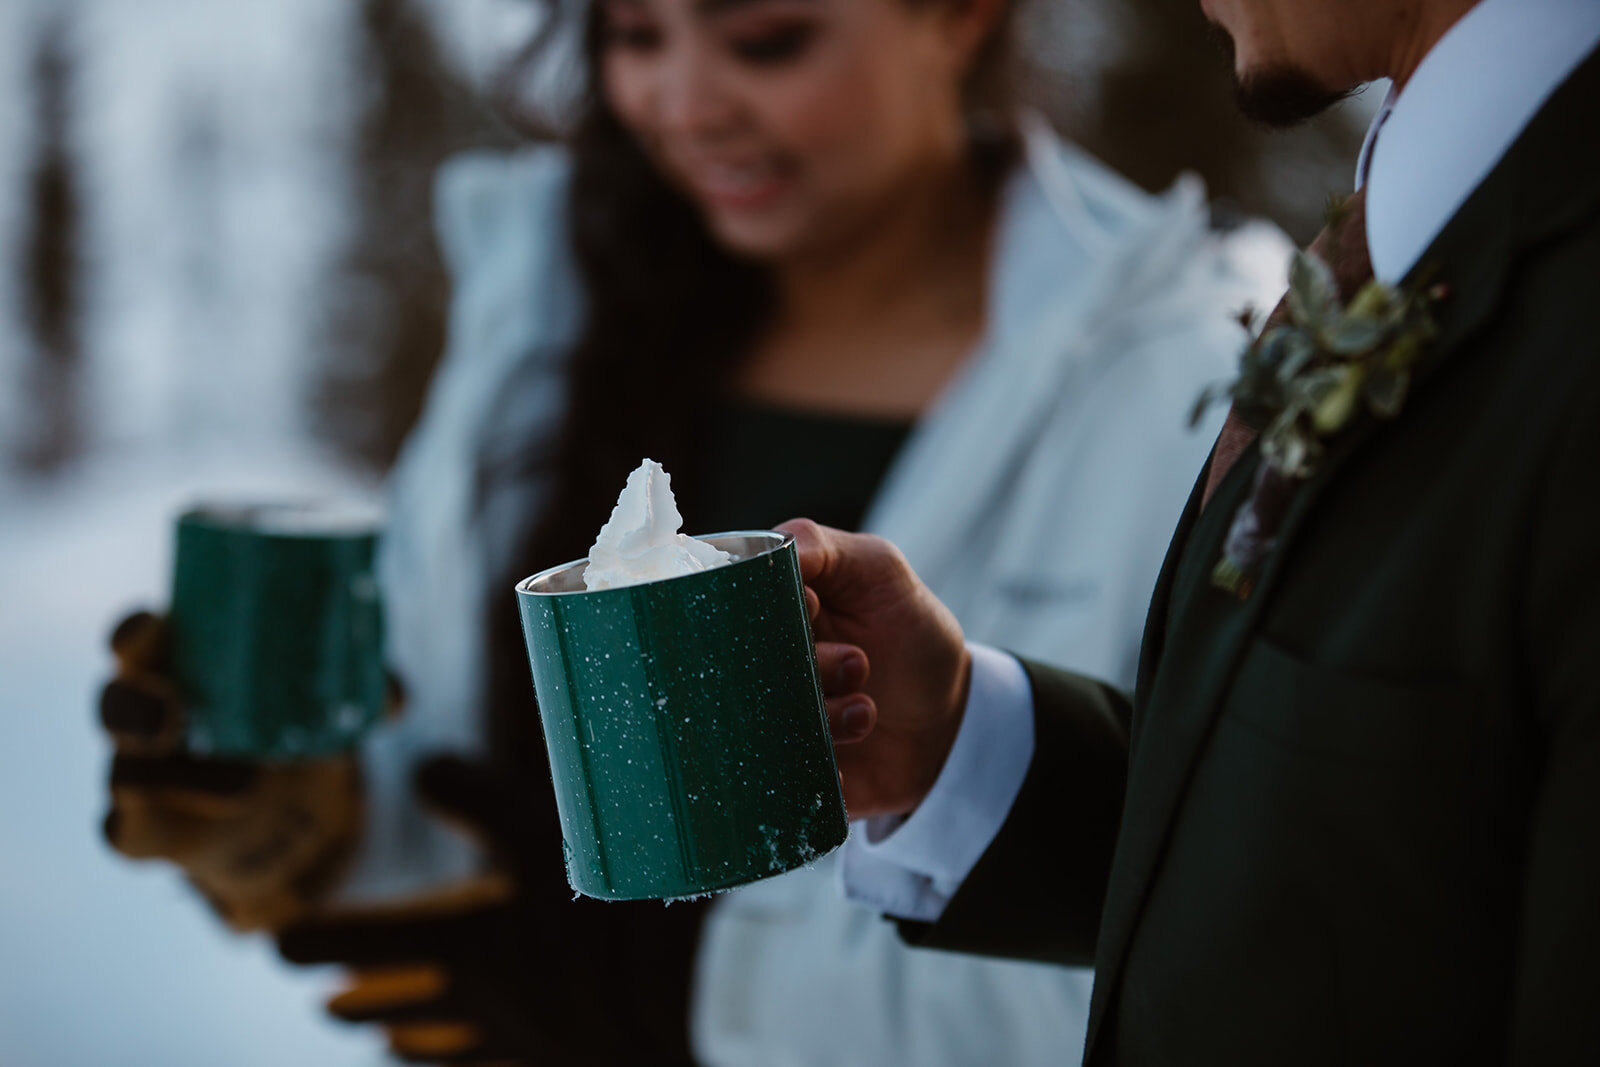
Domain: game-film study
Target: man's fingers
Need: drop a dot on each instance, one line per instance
(842, 568)
(813, 544)
(843, 668)
(851, 718)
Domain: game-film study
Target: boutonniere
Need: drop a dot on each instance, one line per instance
(1311, 371)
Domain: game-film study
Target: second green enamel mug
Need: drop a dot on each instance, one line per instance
(277, 628)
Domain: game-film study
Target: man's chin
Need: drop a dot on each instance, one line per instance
(1281, 97)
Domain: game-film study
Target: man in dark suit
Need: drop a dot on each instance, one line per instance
(1352, 812)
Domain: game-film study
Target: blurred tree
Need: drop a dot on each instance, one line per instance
(389, 304)
(52, 430)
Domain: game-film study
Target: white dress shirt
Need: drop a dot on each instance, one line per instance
(911, 868)
(1462, 109)
(1465, 104)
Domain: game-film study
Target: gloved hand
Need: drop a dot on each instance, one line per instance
(511, 969)
(262, 842)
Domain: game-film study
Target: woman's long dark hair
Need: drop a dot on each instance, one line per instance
(669, 314)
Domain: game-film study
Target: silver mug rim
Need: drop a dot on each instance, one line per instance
(776, 542)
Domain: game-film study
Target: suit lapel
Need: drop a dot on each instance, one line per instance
(1173, 712)
(1549, 179)
(1155, 621)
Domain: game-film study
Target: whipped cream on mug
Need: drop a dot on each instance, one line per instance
(641, 542)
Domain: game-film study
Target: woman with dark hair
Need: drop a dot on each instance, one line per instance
(812, 256)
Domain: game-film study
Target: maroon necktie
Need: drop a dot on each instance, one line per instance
(1342, 245)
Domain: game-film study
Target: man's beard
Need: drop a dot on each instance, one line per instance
(1279, 96)
(1283, 96)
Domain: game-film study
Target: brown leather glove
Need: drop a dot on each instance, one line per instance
(263, 842)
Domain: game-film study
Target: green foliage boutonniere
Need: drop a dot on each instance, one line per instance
(1314, 368)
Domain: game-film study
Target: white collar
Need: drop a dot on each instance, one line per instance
(1468, 101)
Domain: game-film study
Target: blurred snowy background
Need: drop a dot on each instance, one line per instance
(217, 273)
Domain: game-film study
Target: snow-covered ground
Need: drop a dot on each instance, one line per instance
(212, 141)
(103, 962)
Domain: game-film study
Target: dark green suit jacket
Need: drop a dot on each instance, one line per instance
(1355, 819)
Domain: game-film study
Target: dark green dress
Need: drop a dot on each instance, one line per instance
(764, 464)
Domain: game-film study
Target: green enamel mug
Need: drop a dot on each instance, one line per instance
(685, 724)
(277, 628)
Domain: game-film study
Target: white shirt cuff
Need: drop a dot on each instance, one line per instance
(910, 866)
